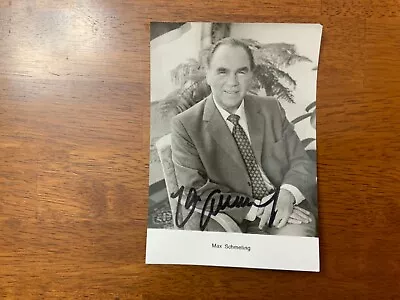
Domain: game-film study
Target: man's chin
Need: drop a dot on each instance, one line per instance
(234, 101)
(232, 107)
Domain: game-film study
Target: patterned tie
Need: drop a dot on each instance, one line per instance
(258, 185)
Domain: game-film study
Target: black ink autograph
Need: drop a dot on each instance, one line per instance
(214, 208)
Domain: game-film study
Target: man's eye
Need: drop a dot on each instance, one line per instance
(243, 72)
(221, 72)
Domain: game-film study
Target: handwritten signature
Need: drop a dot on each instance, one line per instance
(212, 206)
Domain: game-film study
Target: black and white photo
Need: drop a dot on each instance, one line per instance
(233, 145)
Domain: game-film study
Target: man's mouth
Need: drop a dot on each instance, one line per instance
(232, 92)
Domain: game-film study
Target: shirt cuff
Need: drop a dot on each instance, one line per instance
(252, 214)
(298, 196)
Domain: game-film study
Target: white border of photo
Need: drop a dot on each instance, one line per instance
(183, 247)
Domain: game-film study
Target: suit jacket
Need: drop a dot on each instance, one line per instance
(206, 156)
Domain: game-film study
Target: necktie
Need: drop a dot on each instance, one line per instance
(258, 185)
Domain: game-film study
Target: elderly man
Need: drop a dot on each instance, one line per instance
(243, 146)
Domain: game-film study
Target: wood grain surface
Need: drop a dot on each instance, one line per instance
(74, 150)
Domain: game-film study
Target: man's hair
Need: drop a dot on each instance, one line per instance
(233, 43)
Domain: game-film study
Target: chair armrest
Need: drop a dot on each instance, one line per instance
(225, 221)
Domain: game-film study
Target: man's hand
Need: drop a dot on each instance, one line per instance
(284, 207)
(299, 216)
(261, 210)
(264, 213)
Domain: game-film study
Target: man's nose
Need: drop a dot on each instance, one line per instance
(232, 80)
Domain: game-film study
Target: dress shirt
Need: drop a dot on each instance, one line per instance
(252, 214)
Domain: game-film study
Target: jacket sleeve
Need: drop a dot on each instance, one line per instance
(190, 173)
(302, 170)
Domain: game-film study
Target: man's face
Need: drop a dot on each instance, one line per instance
(229, 76)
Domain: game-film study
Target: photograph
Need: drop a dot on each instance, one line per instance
(233, 129)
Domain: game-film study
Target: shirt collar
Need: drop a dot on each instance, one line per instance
(240, 111)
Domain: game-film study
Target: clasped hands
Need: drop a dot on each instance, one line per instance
(286, 211)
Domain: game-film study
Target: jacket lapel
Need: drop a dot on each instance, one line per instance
(256, 124)
(221, 133)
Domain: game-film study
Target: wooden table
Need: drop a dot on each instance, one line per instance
(74, 125)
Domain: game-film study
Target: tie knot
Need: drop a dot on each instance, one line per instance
(234, 119)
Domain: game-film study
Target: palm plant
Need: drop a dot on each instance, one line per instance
(310, 114)
(269, 76)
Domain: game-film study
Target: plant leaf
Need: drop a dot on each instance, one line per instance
(300, 118)
(307, 142)
(285, 76)
(282, 93)
(282, 54)
(181, 74)
(311, 105)
(313, 119)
